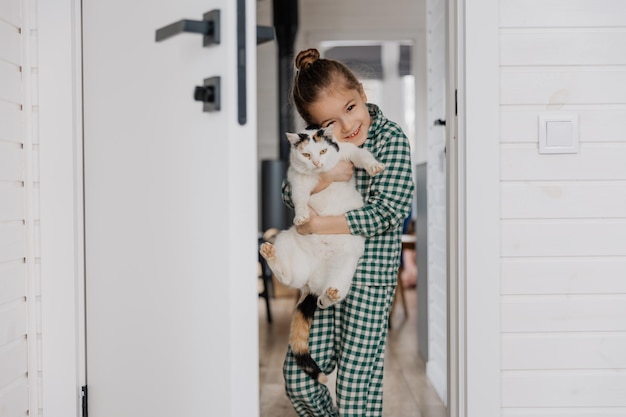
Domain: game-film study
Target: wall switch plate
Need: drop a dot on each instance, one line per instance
(558, 133)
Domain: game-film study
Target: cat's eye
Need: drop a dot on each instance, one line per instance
(323, 151)
(306, 155)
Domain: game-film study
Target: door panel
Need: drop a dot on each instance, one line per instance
(170, 215)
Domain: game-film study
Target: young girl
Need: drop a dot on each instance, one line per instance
(351, 335)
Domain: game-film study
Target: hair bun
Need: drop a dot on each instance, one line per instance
(306, 58)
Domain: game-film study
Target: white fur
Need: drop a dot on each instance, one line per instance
(320, 263)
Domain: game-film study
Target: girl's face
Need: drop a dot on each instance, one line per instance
(346, 110)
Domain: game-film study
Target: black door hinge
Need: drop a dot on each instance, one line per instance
(83, 395)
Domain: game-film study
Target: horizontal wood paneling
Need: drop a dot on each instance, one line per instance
(562, 13)
(11, 201)
(13, 361)
(564, 388)
(14, 399)
(555, 86)
(10, 83)
(12, 281)
(589, 199)
(10, 128)
(539, 351)
(10, 45)
(594, 161)
(10, 11)
(11, 162)
(563, 276)
(12, 242)
(565, 412)
(595, 124)
(13, 323)
(564, 313)
(563, 238)
(562, 47)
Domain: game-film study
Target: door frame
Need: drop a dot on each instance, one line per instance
(473, 210)
(61, 206)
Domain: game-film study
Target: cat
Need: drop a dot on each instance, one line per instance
(320, 265)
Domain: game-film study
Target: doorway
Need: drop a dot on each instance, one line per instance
(420, 122)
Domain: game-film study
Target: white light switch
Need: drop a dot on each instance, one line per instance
(558, 133)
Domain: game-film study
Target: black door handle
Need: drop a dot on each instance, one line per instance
(209, 94)
(440, 122)
(209, 26)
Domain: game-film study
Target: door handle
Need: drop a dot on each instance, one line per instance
(209, 27)
(209, 94)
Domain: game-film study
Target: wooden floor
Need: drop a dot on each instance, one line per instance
(407, 391)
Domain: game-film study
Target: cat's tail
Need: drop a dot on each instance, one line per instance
(299, 337)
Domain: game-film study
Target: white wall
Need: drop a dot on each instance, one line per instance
(563, 217)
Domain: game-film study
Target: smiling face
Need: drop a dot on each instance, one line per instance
(346, 110)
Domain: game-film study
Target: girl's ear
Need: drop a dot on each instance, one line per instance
(362, 93)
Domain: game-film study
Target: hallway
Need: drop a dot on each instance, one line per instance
(408, 393)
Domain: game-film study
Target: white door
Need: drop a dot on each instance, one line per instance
(170, 212)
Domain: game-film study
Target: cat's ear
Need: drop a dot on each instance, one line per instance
(293, 138)
(329, 130)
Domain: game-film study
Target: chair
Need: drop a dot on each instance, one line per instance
(265, 273)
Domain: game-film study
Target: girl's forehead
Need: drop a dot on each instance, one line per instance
(332, 102)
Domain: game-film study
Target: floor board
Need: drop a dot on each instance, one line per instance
(407, 392)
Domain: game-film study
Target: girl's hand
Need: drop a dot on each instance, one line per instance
(341, 172)
(307, 228)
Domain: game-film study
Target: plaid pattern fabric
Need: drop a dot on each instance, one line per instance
(351, 335)
(388, 197)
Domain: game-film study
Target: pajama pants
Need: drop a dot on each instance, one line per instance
(350, 336)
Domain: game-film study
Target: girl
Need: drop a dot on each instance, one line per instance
(352, 334)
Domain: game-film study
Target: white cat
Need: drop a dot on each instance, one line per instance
(321, 266)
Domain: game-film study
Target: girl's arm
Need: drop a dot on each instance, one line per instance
(326, 225)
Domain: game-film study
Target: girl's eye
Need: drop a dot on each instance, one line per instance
(350, 107)
(306, 155)
(323, 151)
(328, 124)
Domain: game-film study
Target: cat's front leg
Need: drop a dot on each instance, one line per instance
(362, 158)
(302, 215)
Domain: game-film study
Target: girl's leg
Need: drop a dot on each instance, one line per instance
(364, 323)
(311, 398)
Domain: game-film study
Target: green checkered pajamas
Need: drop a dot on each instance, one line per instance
(351, 335)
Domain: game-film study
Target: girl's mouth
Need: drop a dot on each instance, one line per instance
(354, 134)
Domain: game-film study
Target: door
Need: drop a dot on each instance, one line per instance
(170, 212)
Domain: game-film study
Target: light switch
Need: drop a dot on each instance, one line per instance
(558, 133)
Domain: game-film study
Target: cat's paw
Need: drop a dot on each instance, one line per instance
(301, 219)
(375, 169)
(267, 250)
(331, 296)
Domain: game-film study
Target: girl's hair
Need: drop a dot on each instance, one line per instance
(315, 75)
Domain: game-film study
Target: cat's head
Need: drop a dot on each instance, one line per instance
(314, 149)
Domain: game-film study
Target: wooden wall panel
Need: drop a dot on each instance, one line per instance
(520, 124)
(594, 161)
(602, 388)
(562, 13)
(564, 313)
(563, 85)
(596, 275)
(10, 128)
(563, 238)
(537, 351)
(566, 200)
(562, 47)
